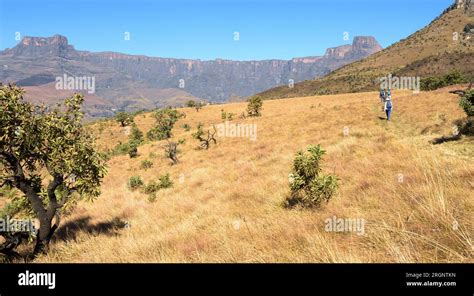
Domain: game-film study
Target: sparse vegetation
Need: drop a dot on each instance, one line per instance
(249, 180)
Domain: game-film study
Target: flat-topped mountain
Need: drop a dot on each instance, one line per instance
(133, 82)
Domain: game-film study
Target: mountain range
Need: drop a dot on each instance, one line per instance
(443, 46)
(135, 82)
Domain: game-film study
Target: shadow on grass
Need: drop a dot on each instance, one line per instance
(465, 128)
(71, 229)
(445, 139)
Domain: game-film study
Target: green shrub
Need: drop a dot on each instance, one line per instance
(120, 149)
(309, 187)
(136, 136)
(133, 151)
(435, 82)
(467, 102)
(227, 115)
(146, 164)
(254, 106)
(135, 182)
(186, 127)
(190, 103)
(151, 187)
(165, 181)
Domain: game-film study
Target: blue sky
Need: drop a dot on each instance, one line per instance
(205, 29)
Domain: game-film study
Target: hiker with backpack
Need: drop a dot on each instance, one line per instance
(382, 95)
(388, 106)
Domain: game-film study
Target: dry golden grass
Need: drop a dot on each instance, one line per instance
(229, 206)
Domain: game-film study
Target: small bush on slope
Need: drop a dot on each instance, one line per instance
(309, 187)
(254, 107)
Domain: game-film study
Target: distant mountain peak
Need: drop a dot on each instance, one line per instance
(44, 41)
(361, 47)
(368, 42)
(40, 46)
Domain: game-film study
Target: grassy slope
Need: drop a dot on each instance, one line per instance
(430, 51)
(228, 209)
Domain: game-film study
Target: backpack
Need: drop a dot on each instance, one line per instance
(389, 105)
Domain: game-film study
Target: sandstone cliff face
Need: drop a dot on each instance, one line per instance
(361, 46)
(339, 52)
(118, 76)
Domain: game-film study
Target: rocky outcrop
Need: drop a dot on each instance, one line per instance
(362, 46)
(42, 46)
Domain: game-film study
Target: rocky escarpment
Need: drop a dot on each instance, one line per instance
(125, 80)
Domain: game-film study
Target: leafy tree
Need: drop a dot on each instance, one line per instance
(36, 142)
(309, 187)
(198, 106)
(124, 118)
(191, 103)
(165, 120)
(254, 106)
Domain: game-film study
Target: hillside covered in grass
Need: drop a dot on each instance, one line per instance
(226, 203)
(444, 45)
